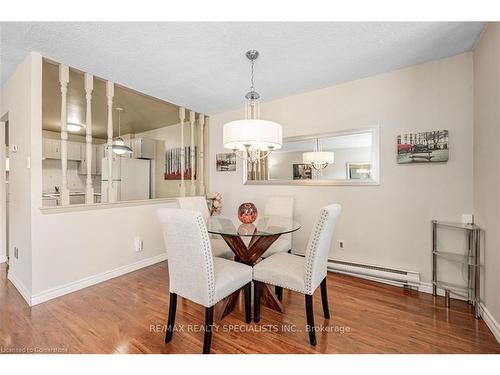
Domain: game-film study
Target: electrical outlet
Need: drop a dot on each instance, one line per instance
(341, 245)
(139, 246)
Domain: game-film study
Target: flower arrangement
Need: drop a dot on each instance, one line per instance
(214, 203)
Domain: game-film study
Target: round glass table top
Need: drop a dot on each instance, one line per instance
(263, 226)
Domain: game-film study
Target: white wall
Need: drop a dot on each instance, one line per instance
(389, 224)
(21, 100)
(487, 160)
(72, 246)
(3, 195)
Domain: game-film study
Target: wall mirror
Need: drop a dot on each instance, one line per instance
(339, 158)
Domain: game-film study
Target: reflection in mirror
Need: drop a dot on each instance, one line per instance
(346, 158)
(146, 157)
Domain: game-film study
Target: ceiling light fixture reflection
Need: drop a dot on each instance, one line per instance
(73, 127)
(318, 159)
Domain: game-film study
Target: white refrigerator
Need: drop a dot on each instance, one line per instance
(131, 179)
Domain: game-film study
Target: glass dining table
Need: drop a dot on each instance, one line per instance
(248, 243)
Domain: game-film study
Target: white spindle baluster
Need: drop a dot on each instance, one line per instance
(182, 117)
(110, 92)
(192, 119)
(89, 86)
(201, 176)
(63, 80)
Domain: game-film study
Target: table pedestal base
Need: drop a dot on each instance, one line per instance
(268, 299)
(250, 255)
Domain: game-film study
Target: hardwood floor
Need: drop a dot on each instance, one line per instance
(128, 315)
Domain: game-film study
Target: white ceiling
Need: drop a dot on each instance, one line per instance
(201, 65)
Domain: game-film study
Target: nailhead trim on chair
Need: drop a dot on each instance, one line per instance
(311, 251)
(283, 286)
(207, 255)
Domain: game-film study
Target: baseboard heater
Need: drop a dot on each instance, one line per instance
(376, 273)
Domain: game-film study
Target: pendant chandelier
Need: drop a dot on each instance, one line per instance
(254, 137)
(318, 159)
(119, 147)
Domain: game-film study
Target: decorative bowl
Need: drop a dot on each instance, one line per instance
(247, 213)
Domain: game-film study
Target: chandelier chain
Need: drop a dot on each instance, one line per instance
(252, 87)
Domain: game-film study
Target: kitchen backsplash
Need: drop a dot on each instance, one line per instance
(52, 176)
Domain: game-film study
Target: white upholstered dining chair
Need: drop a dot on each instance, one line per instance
(301, 274)
(219, 246)
(194, 273)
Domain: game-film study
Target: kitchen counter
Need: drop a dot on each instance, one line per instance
(51, 199)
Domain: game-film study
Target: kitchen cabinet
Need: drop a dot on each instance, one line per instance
(82, 169)
(142, 148)
(50, 202)
(77, 198)
(74, 151)
(99, 156)
(51, 149)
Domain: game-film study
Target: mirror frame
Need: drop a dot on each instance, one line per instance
(374, 181)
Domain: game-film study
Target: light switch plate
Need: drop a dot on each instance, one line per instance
(467, 219)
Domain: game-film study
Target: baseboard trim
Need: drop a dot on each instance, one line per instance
(385, 275)
(95, 279)
(21, 288)
(490, 322)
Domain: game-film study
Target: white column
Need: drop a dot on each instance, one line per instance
(192, 119)
(201, 175)
(63, 80)
(182, 117)
(89, 86)
(110, 92)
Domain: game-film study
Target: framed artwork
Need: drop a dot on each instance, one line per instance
(173, 163)
(359, 171)
(425, 147)
(225, 162)
(302, 172)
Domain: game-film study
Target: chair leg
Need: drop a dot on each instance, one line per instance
(171, 317)
(247, 291)
(256, 301)
(209, 320)
(310, 319)
(324, 299)
(279, 292)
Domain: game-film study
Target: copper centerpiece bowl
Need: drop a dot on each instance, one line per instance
(247, 213)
